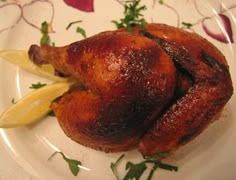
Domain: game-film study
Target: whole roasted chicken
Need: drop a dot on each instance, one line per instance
(155, 88)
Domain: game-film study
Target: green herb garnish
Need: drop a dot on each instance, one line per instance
(78, 29)
(113, 166)
(72, 23)
(13, 101)
(133, 16)
(74, 165)
(168, 167)
(161, 2)
(37, 86)
(157, 156)
(156, 159)
(135, 171)
(45, 37)
(44, 27)
(51, 113)
(81, 31)
(187, 25)
(154, 168)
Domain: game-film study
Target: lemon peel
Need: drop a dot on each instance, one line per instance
(33, 106)
(21, 59)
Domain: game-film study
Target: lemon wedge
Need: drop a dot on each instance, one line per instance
(33, 106)
(21, 59)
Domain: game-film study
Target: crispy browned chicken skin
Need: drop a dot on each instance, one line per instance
(154, 89)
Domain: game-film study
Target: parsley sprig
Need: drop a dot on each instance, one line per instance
(37, 86)
(187, 24)
(45, 39)
(132, 16)
(115, 164)
(51, 114)
(135, 171)
(74, 165)
(13, 101)
(78, 29)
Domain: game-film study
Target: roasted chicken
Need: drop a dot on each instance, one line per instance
(155, 88)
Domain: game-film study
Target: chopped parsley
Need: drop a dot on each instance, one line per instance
(74, 165)
(37, 86)
(13, 101)
(45, 37)
(78, 29)
(51, 113)
(187, 25)
(132, 16)
(135, 171)
(114, 165)
(157, 156)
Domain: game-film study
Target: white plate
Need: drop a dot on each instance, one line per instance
(210, 156)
